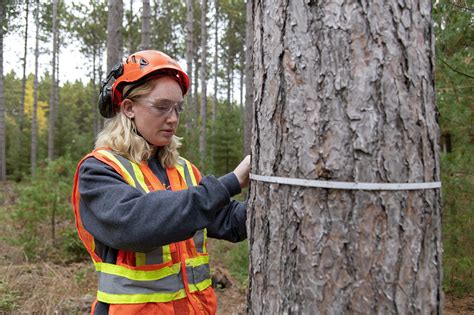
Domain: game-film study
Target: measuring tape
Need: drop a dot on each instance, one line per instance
(344, 185)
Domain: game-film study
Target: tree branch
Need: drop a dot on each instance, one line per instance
(455, 70)
(461, 7)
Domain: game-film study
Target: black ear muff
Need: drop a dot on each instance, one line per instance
(106, 106)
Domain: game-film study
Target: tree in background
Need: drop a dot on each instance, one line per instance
(114, 33)
(8, 12)
(89, 27)
(3, 156)
(23, 80)
(344, 92)
(146, 30)
(455, 98)
(54, 96)
(189, 58)
(34, 111)
(203, 75)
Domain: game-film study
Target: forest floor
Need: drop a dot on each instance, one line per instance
(52, 286)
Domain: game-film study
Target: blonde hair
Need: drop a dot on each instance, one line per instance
(121, 136)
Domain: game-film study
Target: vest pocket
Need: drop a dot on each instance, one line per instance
(157, 256)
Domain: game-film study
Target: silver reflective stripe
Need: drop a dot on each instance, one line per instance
(199, 241)
(198, 274)
(187, 176)
(154, 257)
(128, 166)
(114, 284)
(199, 235)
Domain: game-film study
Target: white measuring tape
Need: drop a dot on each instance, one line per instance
(344, 185)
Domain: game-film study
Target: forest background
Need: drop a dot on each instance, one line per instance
(47, 124)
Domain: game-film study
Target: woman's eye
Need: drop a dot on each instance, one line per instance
(163, 108)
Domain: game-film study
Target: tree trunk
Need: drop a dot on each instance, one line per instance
(344, 91)
(230, 70)
(23, 79)
(3, 155)
(54, 85)
(146, 30)
(202, 134)
(248, 112)
(195, 92)
(114, 33)
(189, 59)
(34, 123)
(216, 85)
(216, 61)
(129, 18)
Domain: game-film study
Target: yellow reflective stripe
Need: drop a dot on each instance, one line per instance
(128, 177)
(139, 176)
(166, 253)
(191, 173)
(180, 170)
(140, 259)
(197, 261)
(200, 286)
(204, 249)
(139, 298)
(139, 275)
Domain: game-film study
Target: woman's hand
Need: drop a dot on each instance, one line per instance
(242, 172)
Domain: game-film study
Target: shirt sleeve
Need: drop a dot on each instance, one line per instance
(120, 216)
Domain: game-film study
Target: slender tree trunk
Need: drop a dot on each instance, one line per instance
(248, 115)
(114, 33)
(216, 60)
(23, 80)
(202, 134)
(34, 122)
(3, 155)
(156, 17)
(189, 59)
(344, 91)
(130, 23)
(216, 74)
(146, 30)
(54, 86)
(229, 81)
(196, 69)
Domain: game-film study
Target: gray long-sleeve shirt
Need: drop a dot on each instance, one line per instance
(122, 217)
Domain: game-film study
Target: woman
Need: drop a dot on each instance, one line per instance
(144, 213)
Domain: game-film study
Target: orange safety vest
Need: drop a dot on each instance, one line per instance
(171, 279)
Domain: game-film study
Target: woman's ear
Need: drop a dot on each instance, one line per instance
(128, 108)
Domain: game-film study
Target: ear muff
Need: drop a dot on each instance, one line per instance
(106, 106)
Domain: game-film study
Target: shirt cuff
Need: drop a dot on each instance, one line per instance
(231, 182)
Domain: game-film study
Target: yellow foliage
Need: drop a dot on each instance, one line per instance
(42, 121)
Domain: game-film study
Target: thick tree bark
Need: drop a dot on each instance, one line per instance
(344, 91)
(3, 153)
(202, 133)
(114, 33)
(34, 123)
(146, 30)
(248, 112)
(53, 104)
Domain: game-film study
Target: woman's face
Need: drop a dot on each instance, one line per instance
(156, 114)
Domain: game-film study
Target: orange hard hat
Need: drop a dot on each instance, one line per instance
(134, 70)
(142, 65)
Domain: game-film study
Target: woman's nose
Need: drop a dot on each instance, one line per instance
(173, 116)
